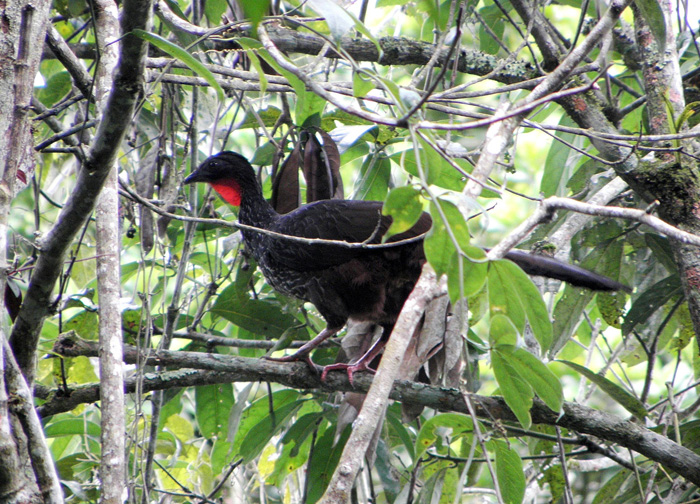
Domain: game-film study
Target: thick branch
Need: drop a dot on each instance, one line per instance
(395, 50)
(226, 369)
(101, 157)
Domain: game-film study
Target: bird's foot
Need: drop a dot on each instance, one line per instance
(296, 357)
(350, 369)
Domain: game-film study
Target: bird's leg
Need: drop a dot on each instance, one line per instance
(303, 353)
(362, 364)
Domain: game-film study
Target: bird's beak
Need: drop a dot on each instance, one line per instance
(195, 176)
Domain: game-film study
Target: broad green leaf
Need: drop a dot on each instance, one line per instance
(213, 405)
(180, 427)
(561, 161)
(545, 383)
(440, 486)
(84, 323)
(517, 393)
(384, 465)
(269, 116)
(439, 246)
(264, 154)
(214, 9)
(325, 460)
(651, 300)
(654, 16)
(221, 455)
(461, 426)
(512, 293)
(474, 273)
(258, 425)
(338, 19)
(58, 86)
(399, 430)
(404, 206)
(689, 111)
(180, 54)
(509, 471)
(308, 105)
(72, 427)
(448, 178)
(493, 17)
(442, 254)
(610, 491)
(606, 259)
(663, 252)
(361, 85)
(260, 317)
(373, 182)
(253, 47)
(254, 10)
(620, 395)
(502, 331)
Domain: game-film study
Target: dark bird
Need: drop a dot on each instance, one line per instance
(364, 284)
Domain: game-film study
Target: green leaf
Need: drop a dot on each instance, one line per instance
(474, 271)
(213, 405)
(72, 427)
(494, 19)
(308, 105)
(325, 460)
(460, 425)
(361, 85)
(256, 426)
(663, 252)
(253, 46)
(448, 178)
(561, 161)
(517, 393)
(260, 317)
(509, 471)
(438, 245)
(338, 19)
(651, 300)
(58, 86)
(373, 182)
(404, 206)
(689, 111)
(254, 10)
(397, 429)
(214, 9)
(182, 55)
(545, 383)
(654, 16)
(443, 255)
(502, 331)
(512, 293)
(609, 492)
(606, 259)
(620, 395)
(264, 154)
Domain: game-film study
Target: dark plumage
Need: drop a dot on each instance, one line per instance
(343, 282)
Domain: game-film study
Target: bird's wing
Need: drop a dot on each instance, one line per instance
(341, 220)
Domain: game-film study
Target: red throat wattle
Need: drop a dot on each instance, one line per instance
(229, 190)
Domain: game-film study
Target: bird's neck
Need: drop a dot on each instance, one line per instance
(254, 209)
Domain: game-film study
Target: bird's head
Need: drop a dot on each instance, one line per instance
(229, 174)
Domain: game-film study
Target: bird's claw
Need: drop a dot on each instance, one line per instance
(351, 369)
(296, 357)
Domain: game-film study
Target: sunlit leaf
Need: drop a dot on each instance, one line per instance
(620, 395)
(179, 53)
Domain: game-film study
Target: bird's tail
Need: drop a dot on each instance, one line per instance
(553, 268)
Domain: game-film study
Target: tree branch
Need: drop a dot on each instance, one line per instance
(214, 368)
(100, 159)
